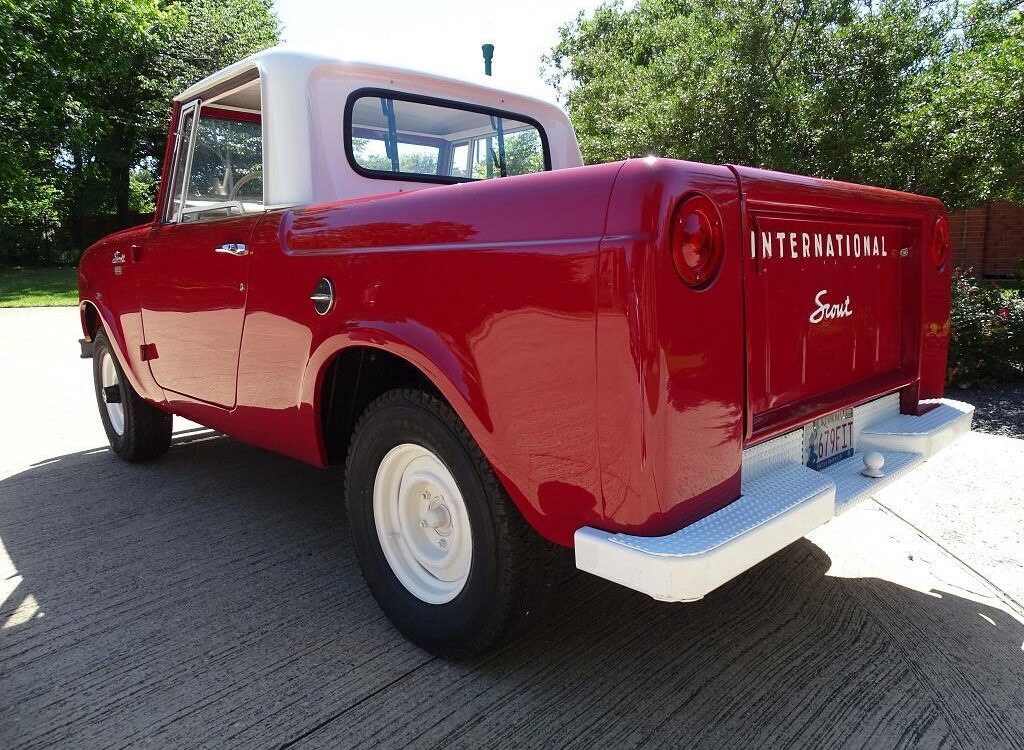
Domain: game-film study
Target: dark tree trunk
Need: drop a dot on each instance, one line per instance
(120, 176)
(120, 180)
(75, 220)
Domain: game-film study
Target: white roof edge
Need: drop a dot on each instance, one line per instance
(257, 60)
(274, 57)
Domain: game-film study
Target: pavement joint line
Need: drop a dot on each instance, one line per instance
(313, 730)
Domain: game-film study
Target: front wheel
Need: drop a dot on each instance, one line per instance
(444, 551)
(136, 430)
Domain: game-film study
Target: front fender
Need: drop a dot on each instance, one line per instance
(108, 288)
(135, 370)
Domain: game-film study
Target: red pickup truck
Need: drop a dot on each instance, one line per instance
(675, 369)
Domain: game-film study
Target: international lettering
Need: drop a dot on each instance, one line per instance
(800, 245)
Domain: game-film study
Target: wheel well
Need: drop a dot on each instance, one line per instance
(353, 379)
(90, 321)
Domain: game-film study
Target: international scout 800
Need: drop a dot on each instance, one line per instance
(675, 369)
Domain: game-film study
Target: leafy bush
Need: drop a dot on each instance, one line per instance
(986, 332)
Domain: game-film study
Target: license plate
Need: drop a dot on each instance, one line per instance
(829, 439)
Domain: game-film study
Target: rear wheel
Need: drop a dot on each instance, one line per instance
(443, 549)
(136, 429)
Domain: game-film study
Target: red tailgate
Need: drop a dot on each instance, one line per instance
(832, 288)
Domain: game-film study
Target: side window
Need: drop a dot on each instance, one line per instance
(520, 154)
(438, 141)
(219, 167)
(226, 169)
(460, 166)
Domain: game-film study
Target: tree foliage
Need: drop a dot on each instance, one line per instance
(912, 94)
(85, 91)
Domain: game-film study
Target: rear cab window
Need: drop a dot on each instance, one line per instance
(392, 135)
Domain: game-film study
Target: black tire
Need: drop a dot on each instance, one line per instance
(507, 574)
(146, 433)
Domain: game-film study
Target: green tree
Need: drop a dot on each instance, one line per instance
(86, 86)
(857, 90)
(523, 152)
(165, 48)
(31, 112)
(965, 140)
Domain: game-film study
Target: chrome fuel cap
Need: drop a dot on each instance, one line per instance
(323, 296)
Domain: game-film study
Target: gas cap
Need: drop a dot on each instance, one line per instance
(323, 296)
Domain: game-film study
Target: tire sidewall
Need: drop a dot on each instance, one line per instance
(101, 345)
(431, 625)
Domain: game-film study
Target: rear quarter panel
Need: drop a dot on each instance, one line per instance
(670, 359)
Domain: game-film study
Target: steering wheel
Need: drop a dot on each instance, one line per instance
(256, 174)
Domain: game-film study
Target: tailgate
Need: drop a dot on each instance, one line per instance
(832, 295)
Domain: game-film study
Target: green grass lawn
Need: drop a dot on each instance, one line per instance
(38, 287)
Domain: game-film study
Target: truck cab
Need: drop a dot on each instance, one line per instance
(674, 369)
(319, 129)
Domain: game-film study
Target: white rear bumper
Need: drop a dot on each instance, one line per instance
(782, 501)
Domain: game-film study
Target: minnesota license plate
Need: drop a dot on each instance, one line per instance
(829, 439)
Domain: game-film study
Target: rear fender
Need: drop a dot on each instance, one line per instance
(454, 376)
(423, 348)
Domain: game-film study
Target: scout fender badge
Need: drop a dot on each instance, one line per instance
(827, 311)
(118, 258)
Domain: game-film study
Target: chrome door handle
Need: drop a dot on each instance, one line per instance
(232, 248)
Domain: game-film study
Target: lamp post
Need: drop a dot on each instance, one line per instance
(488, 50)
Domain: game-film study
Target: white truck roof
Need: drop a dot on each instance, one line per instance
(301, 98)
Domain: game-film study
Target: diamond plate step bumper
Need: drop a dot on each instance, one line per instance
(782, 501)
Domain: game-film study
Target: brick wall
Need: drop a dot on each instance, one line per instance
(989, 239)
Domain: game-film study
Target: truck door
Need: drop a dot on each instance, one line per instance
(194, 267)
(193, 289)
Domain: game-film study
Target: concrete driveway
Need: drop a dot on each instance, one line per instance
(211, 599)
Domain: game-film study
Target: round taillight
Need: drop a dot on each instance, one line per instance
(697, 241)
(940, 242)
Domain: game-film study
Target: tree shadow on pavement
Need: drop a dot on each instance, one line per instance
(211, 599)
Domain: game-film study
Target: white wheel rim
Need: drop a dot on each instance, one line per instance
(108, 378)
(422, 523)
